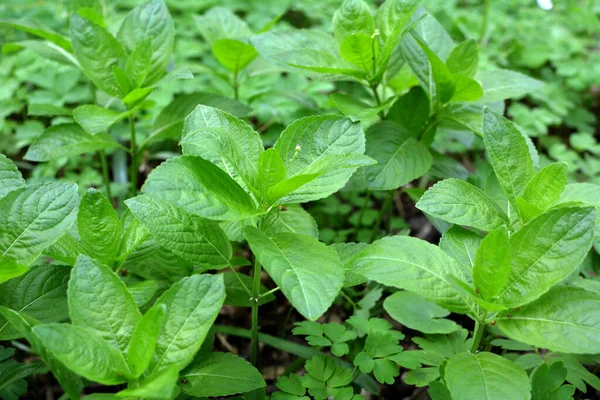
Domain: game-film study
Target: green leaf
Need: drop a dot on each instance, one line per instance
(138, 65)
(358, 109)
(308, 141)
(504, 84)
(585, 193)
(466, 89)
(508, 154)
(34, 217)
(220, 374)
(160, 385)
(464, 58)
(226, 141)
(461, 203)
(411, 111)
(444, 86)
(412, 264)
(461, 244)
(346, 252)
(169, 122)
(292, 218)
(271, 169)
(13, 375)
(566, 319)
(98, 52)
(65, 140)
(492, 263)
(9, 269)
(95, 119)
(220, 22)
(415, 312)
(547, 382)
(400, 157)
(234, 54)
(360, 49)
(290, 185)
(150, 20)
(236, 294)
(486, 376)
(199, 240)
(545, 251)
(41, 293)
(10, 177)
(201, 188)
(193, 304)
(39, 30)
(311, 50)
(99, 227)
(546, 186)
(142, 292)
(100, 302)
(144, 338)
(353, 16)
(392, 17)
(309, 273)
(47, 110)
(84, 352)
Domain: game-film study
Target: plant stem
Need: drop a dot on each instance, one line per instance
(377, 99)
(485, 20)
(477, 336)
(236, 86)
(255, 295)
(106, 175)
(384, 208)
(133, 168)
(265, 294)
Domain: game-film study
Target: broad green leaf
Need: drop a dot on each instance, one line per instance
(10, 177)
(464, 58)
(307, 141)
(466, 89)
(461, 244)
(461, 203)
(191, 237)
(439, 82)
(169, 122)
(411, 111)
(271, 169)
(47, 110)
(400, 157)
(309, 273)
(13, 375)
(546, 186)
(547, 382)
(64, 140)
(220, 374)
(83, 352)
(415, 312)
(160, 385)
(290, 185)
(65, 249)
(412, 264)
(100, 302)
(585, 193)
(134, 234)
(150, 20)
(492, 263)
(41, 293)
(201, 188)
(504, 84)
(39, 30)
(152, 261)
(356, 109)
(99, 227)
(142, 292)
(486, 376)
(34, 217)
(545, 251)
(138, 65)
(9, 269)
(98, 52)
(70, 382)
(224, 140)
(219, 23)
(392, 16)
(360, 49)
(144, 338)
(234, 54)
(193, 304)
(346, 252)
(353, 16)
(311, 50)
(44, 48)
(508, 154)
(291, 218)
(566, 319)
(95, 119)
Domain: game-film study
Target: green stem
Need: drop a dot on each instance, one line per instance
(384, 208)
(265, 294)
(106, 175)
(236, 86)
(484, 22)
(377, 99)
(255, 295)
(477, 336)
(134, 167)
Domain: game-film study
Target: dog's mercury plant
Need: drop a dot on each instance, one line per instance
(128, 297)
